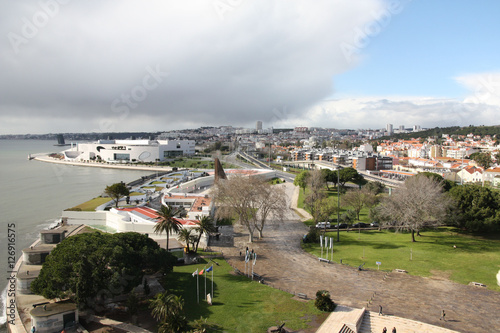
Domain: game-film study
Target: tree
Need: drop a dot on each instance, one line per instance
(251, 199)
(329, 176)
(169, 310)
(116, 191)
(205, 226)
(482, 159)
(167, 221)
(446, 184)
(375, 187)
(315, 184)
(323, 302)
(186, 237)
(301, 180)
(418, 203)
(349, 175)
(88, 267)
(358, 199)
(476, 207)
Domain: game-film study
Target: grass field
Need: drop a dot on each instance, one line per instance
(475, 258)
(239, 304)
(332, 195)
(91, 205)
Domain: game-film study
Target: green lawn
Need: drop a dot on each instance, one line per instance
(91, 205)
(475, 258)
(332, 195)
(239, 305)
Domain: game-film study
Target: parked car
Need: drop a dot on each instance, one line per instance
(360, 225)
(374, 224)
(323, 225)
(340, 226)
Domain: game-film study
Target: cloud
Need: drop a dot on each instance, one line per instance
(484, 88)
(376, 112)
(81, 66)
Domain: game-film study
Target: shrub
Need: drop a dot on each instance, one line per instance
(313, 235)
(323, 301)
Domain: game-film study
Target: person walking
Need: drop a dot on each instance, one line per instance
(380, 310)
(384, 330)
(394, 330)
(443, 316)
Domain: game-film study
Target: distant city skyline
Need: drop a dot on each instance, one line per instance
(162, 65)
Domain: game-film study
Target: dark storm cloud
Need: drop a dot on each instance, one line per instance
(164, 64)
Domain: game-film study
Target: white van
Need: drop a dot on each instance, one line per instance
(323, 225)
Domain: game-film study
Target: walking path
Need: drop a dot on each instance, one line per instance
(284, 265)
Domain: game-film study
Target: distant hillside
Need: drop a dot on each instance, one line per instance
(454, 130)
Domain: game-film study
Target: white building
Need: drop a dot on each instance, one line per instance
(130, 150)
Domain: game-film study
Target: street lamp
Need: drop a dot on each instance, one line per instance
(338, 203)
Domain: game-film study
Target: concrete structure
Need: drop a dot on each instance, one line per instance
(54, 317)
(119, 151)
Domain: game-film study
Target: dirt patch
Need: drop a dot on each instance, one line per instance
(440, 275)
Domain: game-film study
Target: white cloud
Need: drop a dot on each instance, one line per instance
(376, 112)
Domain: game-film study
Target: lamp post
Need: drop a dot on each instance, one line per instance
(338, 203)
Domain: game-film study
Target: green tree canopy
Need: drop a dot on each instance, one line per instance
(89, 267)
(477, 207)
(482, 159)
(350, 175)
(116, 191)
(301, 180)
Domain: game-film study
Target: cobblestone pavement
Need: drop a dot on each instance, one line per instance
(284, 265)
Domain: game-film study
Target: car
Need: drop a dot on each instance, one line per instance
(323, 225)
(374, 224)
(340, 226)
(360, 225)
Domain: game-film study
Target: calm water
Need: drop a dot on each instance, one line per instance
(34, 193)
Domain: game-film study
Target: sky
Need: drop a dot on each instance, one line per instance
(101, 66)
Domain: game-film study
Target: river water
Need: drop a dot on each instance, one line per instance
(33, 195)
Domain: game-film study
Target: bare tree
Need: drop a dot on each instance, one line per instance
(419, 203)
(251, 199)
(315, 185)
(358, 199)
(271, 203)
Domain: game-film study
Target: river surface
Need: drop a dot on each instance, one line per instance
(33, 194)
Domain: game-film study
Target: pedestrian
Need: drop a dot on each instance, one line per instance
(380, 310)
(443, 315)
(394, 330)
(384, 330)
(33, 329)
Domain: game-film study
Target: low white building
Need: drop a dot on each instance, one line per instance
(118, 151)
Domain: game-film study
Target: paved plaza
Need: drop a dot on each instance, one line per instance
(284, 265)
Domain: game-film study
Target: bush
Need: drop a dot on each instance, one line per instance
(323, 301)
(312, 235)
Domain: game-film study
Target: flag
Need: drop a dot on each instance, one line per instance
(201, 272)
(321, 241)
(209, 269)
(247, 257)
(331, 242)
(195, 272)
(254, 258)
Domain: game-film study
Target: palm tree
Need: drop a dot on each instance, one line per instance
(205, 226)
(168, 309)
(185, 236)
(167, 221)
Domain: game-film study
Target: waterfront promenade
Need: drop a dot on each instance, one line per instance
(154, 168)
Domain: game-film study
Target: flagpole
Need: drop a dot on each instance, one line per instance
(205, 286)
(197, 287)
(212, 283)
